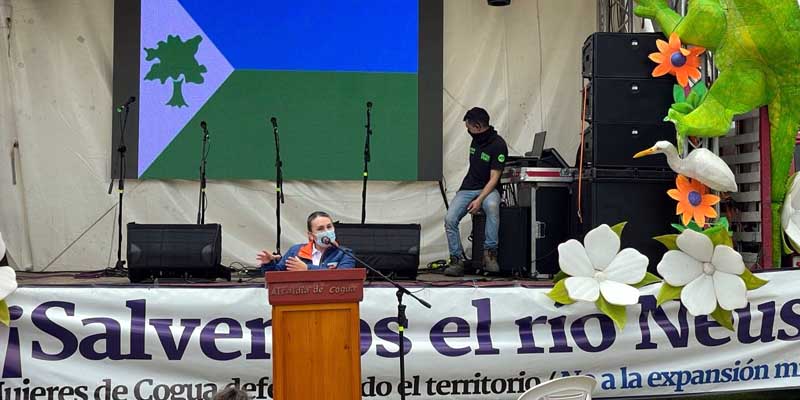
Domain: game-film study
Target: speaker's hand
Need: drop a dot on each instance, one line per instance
(295, 264)
(266, 257)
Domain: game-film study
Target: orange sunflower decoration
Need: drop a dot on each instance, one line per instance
(674, 59)
(693, 201)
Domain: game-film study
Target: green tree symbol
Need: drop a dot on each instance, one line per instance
(176, 58)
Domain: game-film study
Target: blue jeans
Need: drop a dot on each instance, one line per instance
(457, 211)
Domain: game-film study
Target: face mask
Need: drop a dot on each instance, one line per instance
(331, 234)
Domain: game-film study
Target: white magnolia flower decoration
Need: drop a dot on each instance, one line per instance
(790, 215)
(598, 267)
(8, 278)
(710, 274)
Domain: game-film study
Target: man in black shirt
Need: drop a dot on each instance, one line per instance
(487, 156)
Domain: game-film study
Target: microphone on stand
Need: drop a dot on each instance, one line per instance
(130, 101)
(274, 122)
(204, 127)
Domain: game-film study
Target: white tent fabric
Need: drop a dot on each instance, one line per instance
(55, 101)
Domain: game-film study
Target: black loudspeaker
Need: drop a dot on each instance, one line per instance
(616, 100)
(478, 236)
(392, 249)
(514, 245)
(174, 251)
(619, 55)
(609, 145)
(636, 196)
(552, 215)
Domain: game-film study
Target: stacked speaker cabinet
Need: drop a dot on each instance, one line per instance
(625, 110)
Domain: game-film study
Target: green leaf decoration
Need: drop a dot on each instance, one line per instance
(678, 227)
(693, 99)
(619, 227)
(724, 317)
(723, 222)
(649, 279)
(615, 312)
(752, 282)
(667, 293)
(5, 316)
(700, 90)
(669, 241)
(559, 293)
(683, 108)
(561, 275)
(789, 181)
(719, 236)
(678, 94)
(693, 226)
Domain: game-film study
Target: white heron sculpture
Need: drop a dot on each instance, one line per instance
(701, 164)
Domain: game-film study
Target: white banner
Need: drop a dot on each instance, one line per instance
(137, 343)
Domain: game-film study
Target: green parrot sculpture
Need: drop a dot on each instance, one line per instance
(756, 45)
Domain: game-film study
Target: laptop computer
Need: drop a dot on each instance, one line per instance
(538, 145)
(531, 157)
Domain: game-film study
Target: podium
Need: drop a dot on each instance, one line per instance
(316, 352)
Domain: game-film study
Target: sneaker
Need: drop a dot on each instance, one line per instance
(490, 261)
(456, 267)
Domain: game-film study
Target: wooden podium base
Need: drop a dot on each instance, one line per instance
(316, 334)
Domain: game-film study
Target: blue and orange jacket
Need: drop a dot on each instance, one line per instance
(332, 256)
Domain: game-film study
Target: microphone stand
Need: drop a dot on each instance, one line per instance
(121, 149)
(203, 202)
(366, 163)
(402, 320)
(278, 182)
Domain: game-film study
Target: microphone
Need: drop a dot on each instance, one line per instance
(369, 104)
(274, 122)
(326, 240)
(204, 127)
(130, 101)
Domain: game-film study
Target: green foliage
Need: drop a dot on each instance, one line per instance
(5, 315)
(649, 279)
(619, 227)
(719, 235)
(678, 94)
(615, 312)
(723, 317)
(176, 62)
(561, 275)
(692, 225)
(667, 293)
(751, 281)
(669, 241)
(559, 293)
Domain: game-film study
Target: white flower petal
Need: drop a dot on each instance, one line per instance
(580, 288)
(698, 296)
(696, 245)
(629, 266)
(794, 193)
(730, 291)
(573, 259)
(678, 268)
(601, 244)
(8, 281)
(2, 246)
(727, 260)
(791, 225)
(787, 210)
(619, 293)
